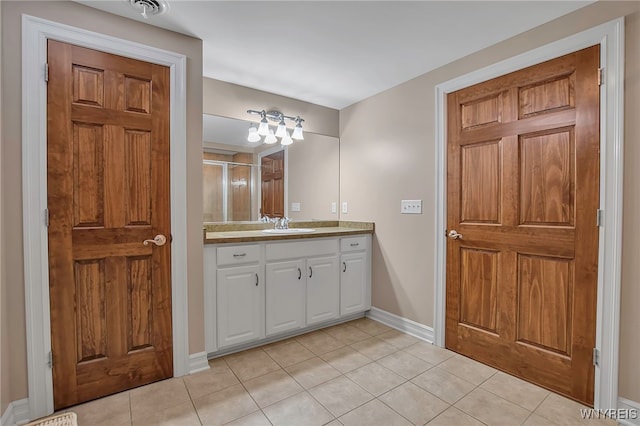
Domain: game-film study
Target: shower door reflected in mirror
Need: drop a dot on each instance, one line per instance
(228, 182)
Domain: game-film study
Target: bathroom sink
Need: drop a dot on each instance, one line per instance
(288, 231)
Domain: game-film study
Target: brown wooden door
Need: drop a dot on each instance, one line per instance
(108, 191)
(272, 177)
(522, 189)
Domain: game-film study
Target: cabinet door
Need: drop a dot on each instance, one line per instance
(323, 289)
(285, 296)
(353, 283)
(240, 305)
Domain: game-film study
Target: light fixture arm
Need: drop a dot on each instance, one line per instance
(278, 117)
(274, 115)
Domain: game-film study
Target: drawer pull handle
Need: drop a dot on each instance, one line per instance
(310, 272)
(355, 244)
(257, 280)
(344, 266)
(299, 273)
(239, 254)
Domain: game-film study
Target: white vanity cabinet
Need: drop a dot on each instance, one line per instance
(291, 287)
(271, 289)
(239, 295)
(355, 291)
(323, 289)
(285, 295)
(240, 305)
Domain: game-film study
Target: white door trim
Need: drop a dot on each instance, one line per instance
(35, 33)
(610, 37)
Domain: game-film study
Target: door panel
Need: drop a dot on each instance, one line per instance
(323, 289)
(523, 190)
(353, 283)
(547, 178)
(108, 191)
(479, 288)
(285, 296)
(480, 182)
(545, 290)
(240, 302)
(272, 178)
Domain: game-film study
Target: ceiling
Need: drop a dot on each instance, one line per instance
(336, 53)
(222, 130)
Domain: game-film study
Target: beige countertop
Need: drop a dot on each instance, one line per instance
(217, 234)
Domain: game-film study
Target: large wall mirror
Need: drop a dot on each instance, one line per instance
(246, 181)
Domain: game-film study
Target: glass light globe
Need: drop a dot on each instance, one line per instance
(271, 138)
(253, 134)
(286, 139)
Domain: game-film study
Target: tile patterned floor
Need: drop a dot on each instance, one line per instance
(358, 373)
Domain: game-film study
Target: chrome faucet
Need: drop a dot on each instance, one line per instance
(282, 223)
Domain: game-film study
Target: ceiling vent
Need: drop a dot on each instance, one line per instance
(149, 7)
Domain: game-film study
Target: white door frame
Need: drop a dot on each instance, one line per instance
(35, 33)
(610, 37)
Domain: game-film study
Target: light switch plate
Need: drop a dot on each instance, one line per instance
(411, 207)
(295, 207)
(334, 207)
(345, 208)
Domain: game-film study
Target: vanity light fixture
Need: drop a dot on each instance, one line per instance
(281, 131)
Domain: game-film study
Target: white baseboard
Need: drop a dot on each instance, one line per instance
(631, 407)
(7, 416)
(198, 362)
(408, 326)
(17, 413)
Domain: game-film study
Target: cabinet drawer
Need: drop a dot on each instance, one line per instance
(299, 249)
(353, 243)
(238, 254)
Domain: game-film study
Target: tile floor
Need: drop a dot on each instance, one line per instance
(356, 373)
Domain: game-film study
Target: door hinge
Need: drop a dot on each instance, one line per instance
(50, 360)
(46, 73)
(599, 218)
(596, 357)
(46, 217)
(600, 76)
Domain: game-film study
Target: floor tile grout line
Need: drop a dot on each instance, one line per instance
(193, 404)
(508, 400)
(246, 390)
(541, 402)
(394, 410)
(327, 408)
(478, 387)
(130, 408)
(260, 375)
(460, 377)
